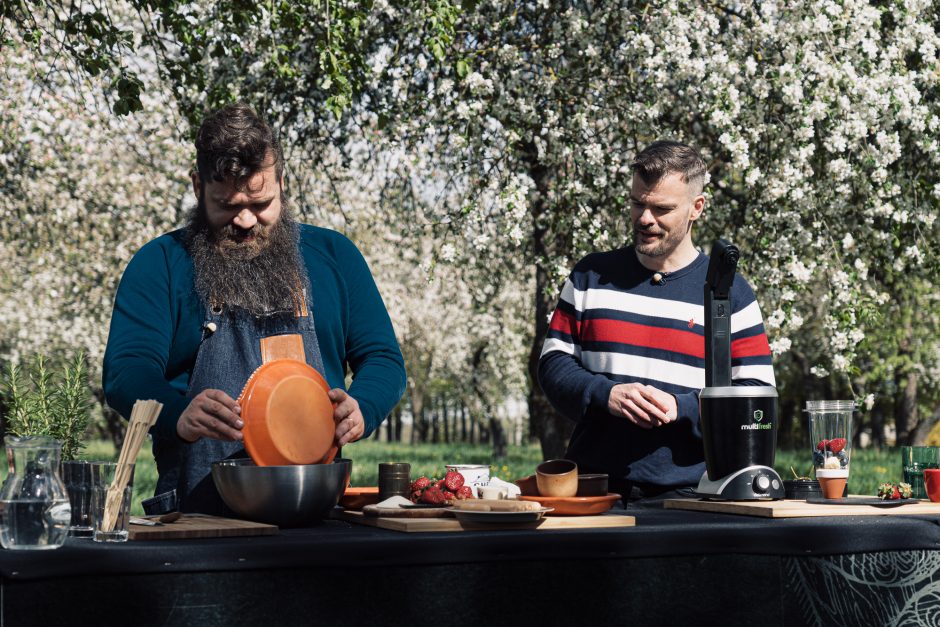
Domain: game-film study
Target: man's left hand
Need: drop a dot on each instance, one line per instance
(350, 425)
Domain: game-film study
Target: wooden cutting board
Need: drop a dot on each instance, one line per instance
(413, 525)
(802, 509)
(404, 512)
(200, 526)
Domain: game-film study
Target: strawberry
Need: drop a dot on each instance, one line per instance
(433, 495)
(449, 496)
(440, 484)
(453, 480)
(822, 445)
(906, 490)
(415, 496)
(895, 494)
(420, 483)
(836, 445)
(465, 492)
(885, 490)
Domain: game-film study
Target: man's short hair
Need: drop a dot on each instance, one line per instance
(665, 157)
(234, 142)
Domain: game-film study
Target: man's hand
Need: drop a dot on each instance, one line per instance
(211, 414)
(350, 425)
(643, 405)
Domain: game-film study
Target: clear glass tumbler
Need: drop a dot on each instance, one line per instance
(110, 509)
(830, 428)
(914, 460)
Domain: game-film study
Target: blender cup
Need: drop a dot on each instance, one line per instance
(830, 428)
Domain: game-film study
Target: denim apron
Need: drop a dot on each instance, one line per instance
(230, 350)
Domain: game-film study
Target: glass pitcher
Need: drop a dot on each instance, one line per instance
(36, 511)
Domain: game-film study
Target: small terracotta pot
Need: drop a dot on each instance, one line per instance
(832, 487)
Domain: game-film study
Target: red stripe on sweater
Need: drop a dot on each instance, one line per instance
(565, 323)
(684, 342)
(754, 346)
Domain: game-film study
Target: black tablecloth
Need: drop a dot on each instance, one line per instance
(658, 533)
(673, 567)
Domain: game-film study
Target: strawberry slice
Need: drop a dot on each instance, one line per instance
(836, 445)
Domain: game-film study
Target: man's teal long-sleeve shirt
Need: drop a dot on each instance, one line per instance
(157, 325)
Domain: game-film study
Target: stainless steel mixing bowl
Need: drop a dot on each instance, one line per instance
(287, 496)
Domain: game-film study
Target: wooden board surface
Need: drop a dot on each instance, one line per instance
(801, 509)
(404, 512)
(413, 525)
(200, 526)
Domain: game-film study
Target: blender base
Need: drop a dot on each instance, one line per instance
(754, 483)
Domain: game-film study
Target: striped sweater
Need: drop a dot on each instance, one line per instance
(614, 324)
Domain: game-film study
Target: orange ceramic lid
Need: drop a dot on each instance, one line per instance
(288, 415)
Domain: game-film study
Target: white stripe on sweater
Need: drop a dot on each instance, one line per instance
(554, 344)
(644, 367)
(647, 306)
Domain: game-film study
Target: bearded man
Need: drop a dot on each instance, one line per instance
(624, 356)
(195, 306)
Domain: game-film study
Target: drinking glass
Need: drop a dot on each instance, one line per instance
(914, 460)
(113, 527)
(830, 428)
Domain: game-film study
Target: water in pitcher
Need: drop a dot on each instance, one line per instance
(34, 524)
(36, 509)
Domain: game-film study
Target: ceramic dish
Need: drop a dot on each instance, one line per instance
(475, 516)
(357, 498)
(576, 505)
(288, 415)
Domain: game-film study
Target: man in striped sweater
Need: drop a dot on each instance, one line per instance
(625, 353)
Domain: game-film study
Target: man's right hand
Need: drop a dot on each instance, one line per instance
(643, 405)
(211, 414)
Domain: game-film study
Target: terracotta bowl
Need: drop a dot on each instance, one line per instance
(357, 498)
(528, 486)
(288, 415)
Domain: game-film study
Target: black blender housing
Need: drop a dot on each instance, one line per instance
(739, 423)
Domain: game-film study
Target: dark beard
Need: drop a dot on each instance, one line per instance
(261, 276)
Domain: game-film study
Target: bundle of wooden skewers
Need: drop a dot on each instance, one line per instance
(143, 416)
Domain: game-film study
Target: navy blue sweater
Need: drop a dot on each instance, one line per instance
(614, 324)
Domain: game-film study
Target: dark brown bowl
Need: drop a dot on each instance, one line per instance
(592, 485)
(802, 489)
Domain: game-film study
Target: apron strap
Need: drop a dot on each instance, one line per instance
(290, 346)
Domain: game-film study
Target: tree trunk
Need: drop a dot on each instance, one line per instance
(445, 419)
(905, 412)
(499, 437)
(552, 429)
(878, 426)
(924, 427)
(463, 423)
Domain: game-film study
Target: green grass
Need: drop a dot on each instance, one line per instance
(430, 459)
(869, 467)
